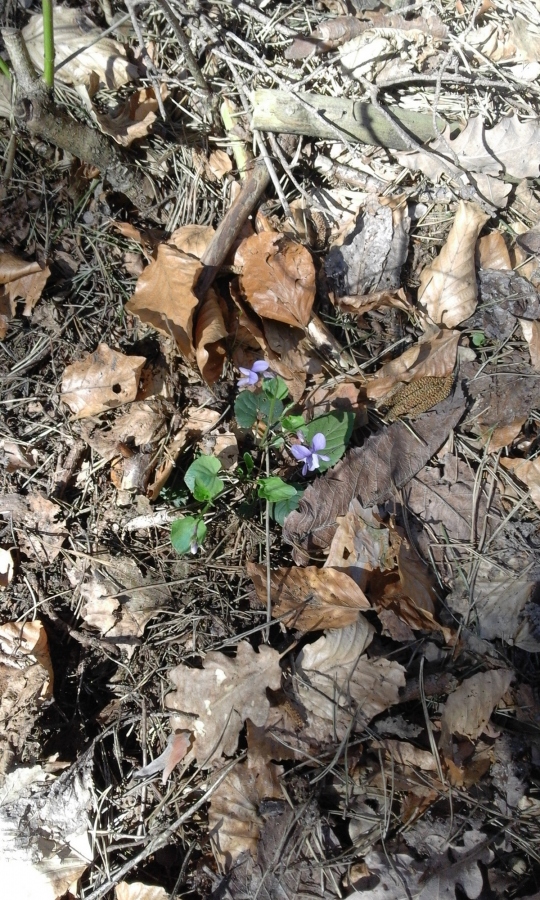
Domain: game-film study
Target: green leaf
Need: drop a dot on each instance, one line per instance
(201, 478)
(270, 409)
(275, 387)
(282, 508)
(185, 532)
(249, 463)
(293, 423)
(478, 338)
(337, 428)
(246, 407)
(275, 489)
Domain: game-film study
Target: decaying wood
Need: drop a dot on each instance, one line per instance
(287, 113)
(36, 112)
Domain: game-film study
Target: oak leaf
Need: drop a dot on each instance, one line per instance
(448, 288)
(164, 296)
(40, 534)
(100, 381)
(336, 682)
(215, 701)
(310, 599)
(278, 278)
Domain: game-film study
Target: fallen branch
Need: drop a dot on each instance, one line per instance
(36, 112)
(286, 113)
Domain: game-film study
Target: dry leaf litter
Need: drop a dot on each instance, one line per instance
(340, 700)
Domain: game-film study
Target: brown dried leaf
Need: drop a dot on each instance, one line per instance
(26, 682)
(434, 358)
(164, 297)
(278, 278)
(233, 816)
(13, 267)
(215, 701)
(143, 422)
(468, 709)
(39, 535)
(192, 239)
(336, 682)
(343, 396)
(136, 890)
(117, 599)
(372, 473)
(364, 303)
(310, 599)
(492, 252)
(528, 471)
(15, 456)
(73, 31)
(531, 333)
(219, 163)
(360, 544)
(134, 119)
(448, 288)
(102, 380)
(210, 332)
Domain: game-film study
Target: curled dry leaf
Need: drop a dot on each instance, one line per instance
(278, 278)
(100, 381)
(468, 709)
(492, 252)
(448, 288)
(34, 519)
(371, 473)
(210, 333)
(219, 163)
(177, 746)
(433, 358)
(19, 278)
(73, 31)
(310, 599)
(233, 816)
(132, 120)
(215, 701)
(528, 471)
(164, 297)
(143, 422)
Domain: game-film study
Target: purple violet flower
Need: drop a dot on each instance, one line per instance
(310, 456)
(251, 376)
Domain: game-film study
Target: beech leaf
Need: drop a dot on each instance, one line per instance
(102, 380)
(448, 288)
(164, 296)
(310, 599)
(278, 278)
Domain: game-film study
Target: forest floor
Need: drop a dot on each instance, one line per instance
(269, 447)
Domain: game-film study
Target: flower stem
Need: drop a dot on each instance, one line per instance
(48, 43)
